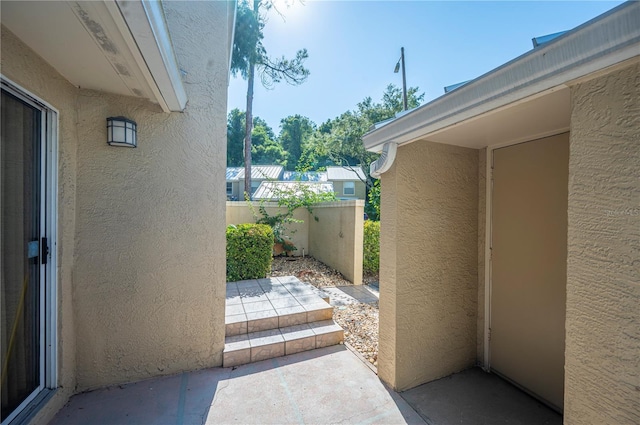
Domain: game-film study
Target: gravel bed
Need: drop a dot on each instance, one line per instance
(360, 324)
(359, 320)
(308, 270)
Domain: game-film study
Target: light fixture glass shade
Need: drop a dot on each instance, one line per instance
(121, 131)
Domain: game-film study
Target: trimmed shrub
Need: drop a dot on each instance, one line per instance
(371, 254)
(249, 248)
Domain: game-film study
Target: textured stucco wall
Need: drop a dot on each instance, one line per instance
(140, 232)
(602, 369)
(336, 238)
(239, 212)
(429, 264)
(22, 66)
(150, 270)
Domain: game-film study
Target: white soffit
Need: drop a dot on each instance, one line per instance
(526, 83)
(533, 118)
(92, 45)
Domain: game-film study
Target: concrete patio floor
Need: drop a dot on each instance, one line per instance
(475, 397)
(328, 385)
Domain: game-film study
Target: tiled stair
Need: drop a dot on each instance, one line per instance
(274, 317)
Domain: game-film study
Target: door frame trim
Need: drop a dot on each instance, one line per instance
(49, 227)
(488, 237)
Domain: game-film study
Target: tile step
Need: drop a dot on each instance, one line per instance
(279, 317)
(267, 344)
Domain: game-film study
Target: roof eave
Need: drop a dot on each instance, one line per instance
(569, 57)
(145, 20)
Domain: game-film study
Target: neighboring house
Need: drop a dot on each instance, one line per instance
(112, 259)
(272, 190)
(518, 249)
(348, 182)
(307, 176)
(259, 173)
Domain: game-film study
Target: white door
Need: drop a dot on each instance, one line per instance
(529, 265)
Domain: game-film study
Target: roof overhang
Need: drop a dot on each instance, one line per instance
(527, 97)
(121, 47)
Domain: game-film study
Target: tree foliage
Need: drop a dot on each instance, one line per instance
(235, 138)
(295, 132)
(265, 149)
(250, 58)
(343, 135)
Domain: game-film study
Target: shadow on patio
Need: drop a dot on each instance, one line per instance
(329, 385)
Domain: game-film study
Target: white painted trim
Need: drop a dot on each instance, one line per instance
(145, 20)
(600, 43)
(121, 24)
(382, 164)
(48, 228)
(487, 257)
(51, 380)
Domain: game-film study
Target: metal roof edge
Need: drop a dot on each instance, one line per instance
(570, 56)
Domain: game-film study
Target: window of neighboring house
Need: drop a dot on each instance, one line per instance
(229, 188)
(349, 188)
(254, 186)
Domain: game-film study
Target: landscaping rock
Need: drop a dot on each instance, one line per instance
(359, 320)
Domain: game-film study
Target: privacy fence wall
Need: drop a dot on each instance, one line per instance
(335, 238)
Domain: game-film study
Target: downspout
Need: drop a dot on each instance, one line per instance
(385, 161)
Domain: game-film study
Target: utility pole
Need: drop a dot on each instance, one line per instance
(404, 78)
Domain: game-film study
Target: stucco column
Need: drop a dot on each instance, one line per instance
(428, 270)
(602, 371)
(149, 278)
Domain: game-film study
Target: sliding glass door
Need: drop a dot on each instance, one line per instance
(23, 252)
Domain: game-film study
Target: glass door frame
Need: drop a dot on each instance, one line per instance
(48, 229)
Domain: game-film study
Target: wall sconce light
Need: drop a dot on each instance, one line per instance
(121, 132)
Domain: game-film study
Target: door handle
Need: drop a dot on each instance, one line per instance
(44, 248)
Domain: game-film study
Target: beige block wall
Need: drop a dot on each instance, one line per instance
(238, 212)
(429, 264)
(336, 238)
(22, 66)
(602, 369)
(150, 271)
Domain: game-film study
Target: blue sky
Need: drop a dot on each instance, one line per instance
(354, 45)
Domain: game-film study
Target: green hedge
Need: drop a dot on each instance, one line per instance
(249, 249)
(371, 255)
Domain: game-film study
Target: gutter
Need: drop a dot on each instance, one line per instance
(606, 40)
(146, 23)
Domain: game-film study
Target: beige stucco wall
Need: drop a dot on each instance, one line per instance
(336, 238)
(25, 68)
(602, 369)
(141, 231)
(239, 212)
(429, 264)
(150, 271)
